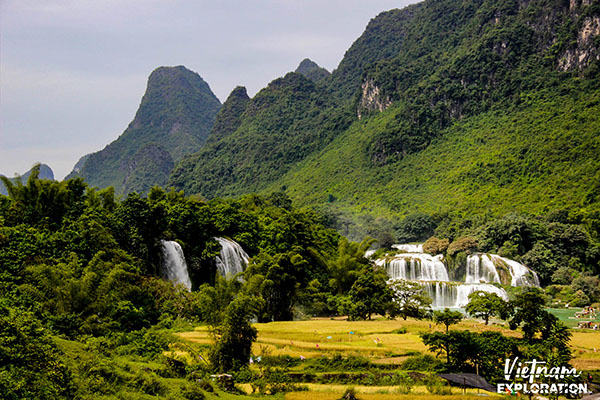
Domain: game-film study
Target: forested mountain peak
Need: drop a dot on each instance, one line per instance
(176, 113)
(312, 70)
(229, 116)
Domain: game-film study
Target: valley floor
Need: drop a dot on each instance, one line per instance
(383, 342)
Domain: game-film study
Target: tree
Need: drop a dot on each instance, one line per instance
(447, 317)
(369, 293)
(235, 336)
(485, 305)
(435, 246)
(409, 299)
(459, 346)
(30, 363)
(350, 260)
(529, 313)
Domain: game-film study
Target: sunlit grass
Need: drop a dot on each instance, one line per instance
(375, 339)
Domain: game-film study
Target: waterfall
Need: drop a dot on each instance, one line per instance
(409, 248)
(173, 265)
(482, 271)
(455, 295)
(419, 267)
(520, 274)
(232, 259)
(481, 268)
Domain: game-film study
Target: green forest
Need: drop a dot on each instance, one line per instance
(86, 314)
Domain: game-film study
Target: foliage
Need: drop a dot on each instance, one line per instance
(463, 244)
(528, 311)
(435, 246)
(486, 305)
(447, 317)
(423, 362)
(415, 228)
(31, 364)
(409, 299)
(235, 336)
(369, 293)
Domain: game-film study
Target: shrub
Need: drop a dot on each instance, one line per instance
(424, 362)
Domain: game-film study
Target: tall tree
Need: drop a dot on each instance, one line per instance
(447, 317)
(235, 336)
(485, 305)
(369, 293)
(409, 299)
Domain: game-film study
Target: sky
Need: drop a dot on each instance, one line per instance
(73, 72)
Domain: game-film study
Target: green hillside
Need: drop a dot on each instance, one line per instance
(285, 122)
(538, 156)
(175, 117)
(474, 106)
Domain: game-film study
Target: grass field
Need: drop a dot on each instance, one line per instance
(379, 341)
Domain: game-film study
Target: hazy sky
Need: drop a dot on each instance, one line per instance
(72, 72)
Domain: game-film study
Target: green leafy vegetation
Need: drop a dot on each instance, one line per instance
(280, 126)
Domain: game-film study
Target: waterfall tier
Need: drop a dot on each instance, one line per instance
(417, 267)
(173, 266)
(483, 268)
(232, 259)
(454, 295)
(409, 248)
(482, 272)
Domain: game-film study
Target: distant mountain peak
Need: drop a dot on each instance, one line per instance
(176, 114)
(229, 116)
(45, 173)
(312, 70)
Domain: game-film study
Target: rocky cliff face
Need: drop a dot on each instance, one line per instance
(371, 98)
(583, 48)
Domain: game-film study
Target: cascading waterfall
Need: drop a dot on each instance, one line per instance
(456, 294)
(481, 268)
(232, 259)
(173, 265)
(482, 272)
(417, 267)
(409, 248)
(520, 274)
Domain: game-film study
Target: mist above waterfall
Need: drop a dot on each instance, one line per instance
(173, 266)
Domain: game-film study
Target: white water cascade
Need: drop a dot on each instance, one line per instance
(483, 272)
(520, 274)
(456, 294)
(173, 265)
(484, 268)
(232, 259)
(409, 248)
(417, 267)
(481, 268)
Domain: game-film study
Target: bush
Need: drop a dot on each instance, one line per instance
(435, 246)
(350, 394)
(193, 392)
(437, 386)
(463, 244)
(423, 362)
